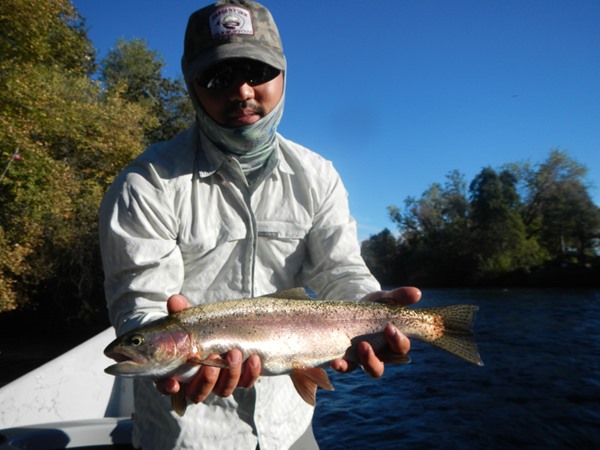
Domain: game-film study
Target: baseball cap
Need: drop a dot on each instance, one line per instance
(230, 29)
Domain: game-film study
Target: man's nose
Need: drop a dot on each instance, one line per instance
(240, 90)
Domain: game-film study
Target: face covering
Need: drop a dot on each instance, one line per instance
(252, 145)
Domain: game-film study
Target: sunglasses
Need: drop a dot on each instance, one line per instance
(223, 75)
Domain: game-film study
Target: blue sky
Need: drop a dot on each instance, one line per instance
(398, 94)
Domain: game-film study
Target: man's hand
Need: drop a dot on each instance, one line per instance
(397, 341)
(212, 379)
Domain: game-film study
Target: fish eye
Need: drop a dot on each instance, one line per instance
(136, 340)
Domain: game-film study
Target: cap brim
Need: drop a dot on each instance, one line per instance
(265, 54)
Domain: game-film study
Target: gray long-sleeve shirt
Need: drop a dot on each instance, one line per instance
(181, 219)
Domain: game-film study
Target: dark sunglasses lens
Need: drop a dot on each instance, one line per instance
(258, 73)
(222, 75)
(218, 77)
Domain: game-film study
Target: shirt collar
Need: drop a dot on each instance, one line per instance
(209, 158)
(283, 164)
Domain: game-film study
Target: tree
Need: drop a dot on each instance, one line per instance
(48, 33)
(72, 139)
(63, 137)
(136, 71)
(380, 254)
(524, 223)
(72, 135)
(498, 239)
(433, 233)
(558, 209)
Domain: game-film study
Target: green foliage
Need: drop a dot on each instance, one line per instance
(498, 238)
(559, 211)
(135, 70)
(380, 253)
(435, 228)
(71, 136)
(49, 33)
(70, 146)
(515, 225)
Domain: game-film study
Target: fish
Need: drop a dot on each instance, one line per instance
(291, 332)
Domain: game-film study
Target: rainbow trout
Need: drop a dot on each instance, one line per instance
(292, 333)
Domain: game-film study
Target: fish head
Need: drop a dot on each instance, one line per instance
(152, 351)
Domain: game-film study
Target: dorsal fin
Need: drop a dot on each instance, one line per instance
(387, 301)
(297, 293)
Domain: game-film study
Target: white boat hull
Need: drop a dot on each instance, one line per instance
(68, 398)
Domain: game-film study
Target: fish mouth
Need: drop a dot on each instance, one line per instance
(119, 357)
(122, 355)
(125, 368)
(127, 363)
(140, 368)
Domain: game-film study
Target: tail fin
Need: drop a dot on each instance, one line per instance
(458, 336)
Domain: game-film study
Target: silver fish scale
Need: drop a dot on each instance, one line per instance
(314, 332)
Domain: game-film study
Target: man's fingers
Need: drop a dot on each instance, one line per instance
(203, 383)
(367, 359)
(404, 295)
(176, 303)
(168, 386)
(401, 296)
(229, 378)
(343, 365)
(397, 341)
(250, 371)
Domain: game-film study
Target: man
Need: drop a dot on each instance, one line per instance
(231, 209)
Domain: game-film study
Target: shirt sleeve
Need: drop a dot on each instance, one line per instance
(335, 268)
(138, 241)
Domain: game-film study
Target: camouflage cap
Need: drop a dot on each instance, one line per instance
(230, 29)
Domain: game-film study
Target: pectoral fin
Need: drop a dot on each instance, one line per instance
(218, 362)
(179, 402)
(306, 380)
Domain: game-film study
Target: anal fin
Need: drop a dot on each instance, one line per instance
(306, 380)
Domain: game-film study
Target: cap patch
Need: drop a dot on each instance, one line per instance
(230, 20)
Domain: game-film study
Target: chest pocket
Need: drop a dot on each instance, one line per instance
(281, 248)
(212, 235)
(282, 230)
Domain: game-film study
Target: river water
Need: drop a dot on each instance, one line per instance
(539, 388)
